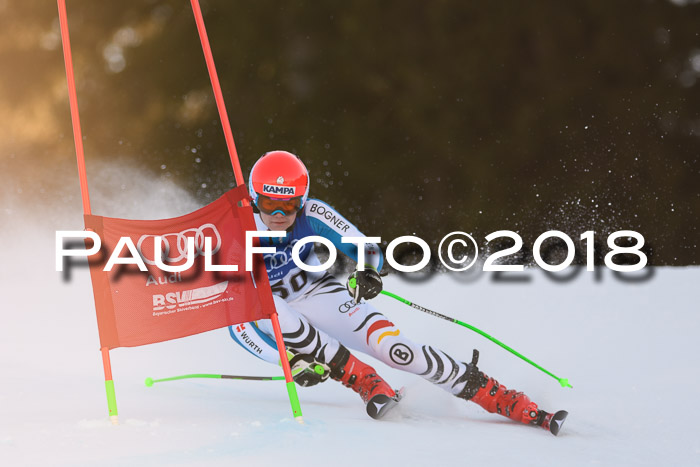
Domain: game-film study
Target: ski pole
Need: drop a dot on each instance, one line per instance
(318, 369)
(151, 381)
(563, 381)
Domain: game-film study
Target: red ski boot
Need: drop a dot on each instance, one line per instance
(377, 395)
(496, 398)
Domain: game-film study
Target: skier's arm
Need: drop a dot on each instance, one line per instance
(328, 223)
(306, 371)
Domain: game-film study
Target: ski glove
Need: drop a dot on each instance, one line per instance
(307, 371)
(364, 284)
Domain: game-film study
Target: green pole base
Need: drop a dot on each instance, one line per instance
(294, 400)
(111, 400)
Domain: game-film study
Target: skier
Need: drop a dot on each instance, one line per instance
(320, 322)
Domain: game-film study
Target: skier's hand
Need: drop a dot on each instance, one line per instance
(307, 371)
(364, 284)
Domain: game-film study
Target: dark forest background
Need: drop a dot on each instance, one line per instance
(413, 117)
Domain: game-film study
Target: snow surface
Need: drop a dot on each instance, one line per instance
(629, 349)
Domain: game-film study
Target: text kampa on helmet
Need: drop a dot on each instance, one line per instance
(279, 182)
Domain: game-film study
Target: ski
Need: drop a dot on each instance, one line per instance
(557, 421)
(381, 404)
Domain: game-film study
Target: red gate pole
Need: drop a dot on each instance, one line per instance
(80, 155)
(218, 95)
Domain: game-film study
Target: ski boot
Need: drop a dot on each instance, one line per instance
(377, 395)
(496, 398)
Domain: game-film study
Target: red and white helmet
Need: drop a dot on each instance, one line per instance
(279, 175)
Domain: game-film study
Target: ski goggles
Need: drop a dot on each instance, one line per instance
(272, 206)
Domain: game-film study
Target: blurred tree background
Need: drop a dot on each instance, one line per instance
(413, 117)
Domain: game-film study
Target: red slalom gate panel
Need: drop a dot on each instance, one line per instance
(143, 307)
